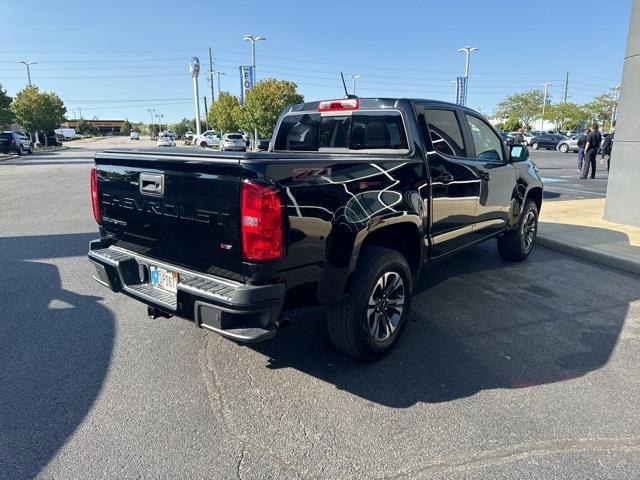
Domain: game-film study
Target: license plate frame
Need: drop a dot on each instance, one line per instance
(163, 279)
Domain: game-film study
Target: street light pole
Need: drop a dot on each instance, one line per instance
(616, 94)
(467, 50)
(27, 63)
(544, 102)
(354, 78)
(151, 111)
(253, 39)
(195, 71)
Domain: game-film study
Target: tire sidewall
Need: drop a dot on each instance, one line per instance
(535, 146)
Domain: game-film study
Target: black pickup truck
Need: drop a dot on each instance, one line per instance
(354, 199)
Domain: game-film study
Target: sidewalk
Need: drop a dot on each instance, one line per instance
(576, 227)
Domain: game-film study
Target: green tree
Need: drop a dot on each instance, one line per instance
(38, 111)
(184, 126)
(264, 104)
(600, 108)
(125, 128)
(564, 115)
(223, 113)
(85, 128)
(525, 107)
(5, 108)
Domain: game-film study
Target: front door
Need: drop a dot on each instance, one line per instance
(497, 176)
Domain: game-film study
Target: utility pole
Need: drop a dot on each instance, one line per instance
(206, 111)
(217, 74)
(195, 71)
(354, 78)
(213, 97)
(27, 63)
(544, 102)
(151, 112)
(566, 88)
(468, 50)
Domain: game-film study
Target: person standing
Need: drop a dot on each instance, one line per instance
(607, 145)
(591, 152)
(582, 141)
(518, 138)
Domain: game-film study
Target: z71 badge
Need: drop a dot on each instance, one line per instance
(308, 173)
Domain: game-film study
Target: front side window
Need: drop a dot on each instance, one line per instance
(488, 145)
(445, 133)
(355, 131)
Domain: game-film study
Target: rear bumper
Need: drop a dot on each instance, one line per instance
(245, 313)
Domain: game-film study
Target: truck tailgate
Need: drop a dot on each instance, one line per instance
(182, 210)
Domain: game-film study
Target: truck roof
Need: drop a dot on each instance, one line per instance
(369, 103)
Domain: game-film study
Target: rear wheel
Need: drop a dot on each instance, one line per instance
(516, 245)
(564, 148)
(535, 146)
(367, 323)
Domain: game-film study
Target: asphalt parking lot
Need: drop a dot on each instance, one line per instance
(524, 371)
(560, 176)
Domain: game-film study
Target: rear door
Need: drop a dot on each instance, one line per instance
(181, 210)
(455, 181)
(497, 176)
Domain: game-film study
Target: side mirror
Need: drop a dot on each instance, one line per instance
(519, 153)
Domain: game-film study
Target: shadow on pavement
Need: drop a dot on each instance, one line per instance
(55, 350)
(477, 323)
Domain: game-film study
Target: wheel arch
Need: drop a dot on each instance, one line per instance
(535, 194)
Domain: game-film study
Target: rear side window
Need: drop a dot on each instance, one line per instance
(5, 136)
(445, 132)
(357, 131)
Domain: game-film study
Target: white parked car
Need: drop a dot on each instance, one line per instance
(166, 141)
(189, 135)
(206, 139)
(134, 136)
(233, 141)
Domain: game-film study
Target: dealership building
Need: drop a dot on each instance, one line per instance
(105, 127)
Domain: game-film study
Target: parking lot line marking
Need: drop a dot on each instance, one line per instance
(587, 192)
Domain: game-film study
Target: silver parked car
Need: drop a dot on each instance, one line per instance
(569, 144)
(233, 141)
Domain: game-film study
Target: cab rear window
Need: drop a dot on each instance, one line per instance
(357, 131)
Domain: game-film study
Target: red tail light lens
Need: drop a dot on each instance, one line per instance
(261, 222)
(95, 201)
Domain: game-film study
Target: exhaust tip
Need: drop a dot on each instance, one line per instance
(283, 321)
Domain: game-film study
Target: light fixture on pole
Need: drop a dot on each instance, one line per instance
(353, 79)
(253, 39)
(161, 119)
(544, 102)
(467, 50)
(194, 68)
(217, 75)
(27, 63)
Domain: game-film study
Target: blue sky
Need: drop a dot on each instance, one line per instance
(117, 59)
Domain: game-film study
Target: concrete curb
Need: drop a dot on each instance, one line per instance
(590, 254)
(10, 157)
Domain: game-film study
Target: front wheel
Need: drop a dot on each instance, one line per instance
(203, 144)
(516, 244)
(19, 151)
(366, 324)
(535, 146)
(564, 148)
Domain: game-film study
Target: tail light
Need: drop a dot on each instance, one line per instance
(95, 201)
(337, 105)
(261, 222)
(13, 141)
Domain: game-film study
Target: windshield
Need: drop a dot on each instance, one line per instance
(357, 131)
(234, 137)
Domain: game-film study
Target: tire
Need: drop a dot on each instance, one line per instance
(564, 148)
(203, 144)
(30, 151)
(517, 244)
(535, 146)
(19, 151)
(355, 324)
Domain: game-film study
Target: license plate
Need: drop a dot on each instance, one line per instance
(163, 279)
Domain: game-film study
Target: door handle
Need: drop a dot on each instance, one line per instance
(444, 178)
